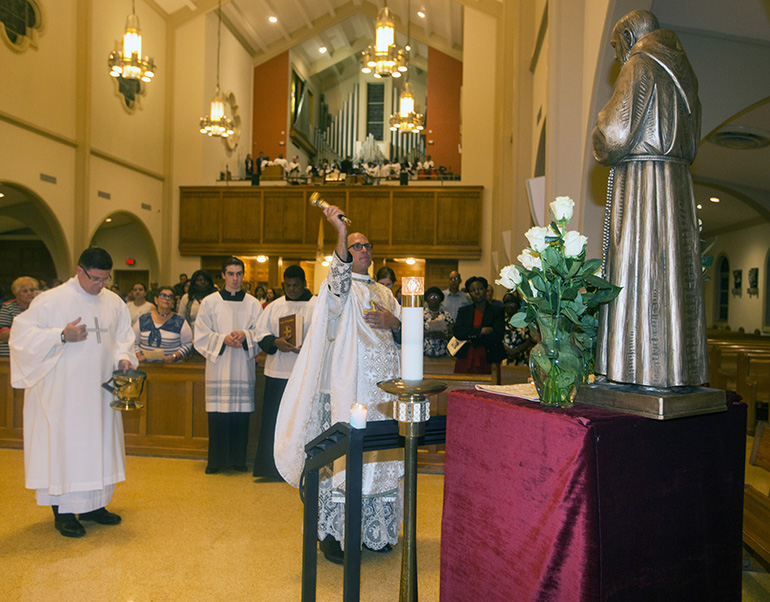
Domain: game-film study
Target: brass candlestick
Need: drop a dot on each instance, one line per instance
(412, 410)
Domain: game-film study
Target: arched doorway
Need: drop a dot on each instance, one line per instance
(32, 241)
(128, 241)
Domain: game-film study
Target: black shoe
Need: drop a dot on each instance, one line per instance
(332, 550)
(211, 470)
(68, 525)
(241, 468)
(384, 550)
(101, 516)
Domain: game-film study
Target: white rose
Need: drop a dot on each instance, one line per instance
(510, 277)
(561, 208)
(574, 243)
(536, 237)
(529, 261)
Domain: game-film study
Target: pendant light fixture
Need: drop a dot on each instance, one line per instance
(407, 119)
(129, 63)
(216, 123)
(385, 58)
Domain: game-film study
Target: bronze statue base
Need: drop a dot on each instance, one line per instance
(658, 404)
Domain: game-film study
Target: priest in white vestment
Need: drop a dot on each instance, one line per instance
(63, 348)
(225, 334)
(282, 349)
(350, 347)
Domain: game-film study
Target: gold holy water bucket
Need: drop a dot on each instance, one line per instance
(128, 387)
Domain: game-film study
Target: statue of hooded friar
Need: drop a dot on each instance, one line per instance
(654, 333)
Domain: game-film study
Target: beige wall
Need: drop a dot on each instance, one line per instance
(25, 155)
(39, 84)
(744, 249)
(236, 76)
(478, 117)
(137, 136)
(62, 117)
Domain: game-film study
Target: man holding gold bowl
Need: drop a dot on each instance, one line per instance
(63, 348)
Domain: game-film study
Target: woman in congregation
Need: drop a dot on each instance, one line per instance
(24, 289)
(386, 277)
(201, 285)
(162, 335)
(259, 295)
(139, 305)
(269, 297)
(437, 324)
(517, 341)
(482, 325)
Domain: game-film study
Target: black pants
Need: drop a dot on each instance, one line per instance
(228, 436)
(264, 464)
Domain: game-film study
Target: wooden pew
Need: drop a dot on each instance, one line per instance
(753, 383)
(511, 375)
(11, 408)
(723, 360)
(756, 503)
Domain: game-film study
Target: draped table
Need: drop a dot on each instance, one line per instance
(588, 504)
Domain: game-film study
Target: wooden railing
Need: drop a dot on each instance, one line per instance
(173, 421)
(430, 222)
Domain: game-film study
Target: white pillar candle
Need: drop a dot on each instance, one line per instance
(412, 295)
(358, 415)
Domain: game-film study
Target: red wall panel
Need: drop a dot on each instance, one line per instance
(271, 106)
(445, 78)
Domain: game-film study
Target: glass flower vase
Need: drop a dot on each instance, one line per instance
(556, 363)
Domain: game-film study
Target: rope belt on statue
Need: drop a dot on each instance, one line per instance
(610, 189)
(658, 158)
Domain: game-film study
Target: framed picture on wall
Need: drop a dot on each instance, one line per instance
(753, 289)
(737, 283)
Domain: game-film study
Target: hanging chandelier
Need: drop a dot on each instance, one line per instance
(129, 63)
(385, 58)
(216, 123)
(407, 119)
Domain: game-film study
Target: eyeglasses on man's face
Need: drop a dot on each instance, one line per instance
(357, 246)
(166, 297)
(94, 278)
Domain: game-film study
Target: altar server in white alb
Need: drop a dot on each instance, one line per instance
(351, 345)
(280, 331)
(225, 334)
(63, 348)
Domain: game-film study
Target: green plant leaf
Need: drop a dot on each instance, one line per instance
(542, 361)
(591, 266)
(519, 320)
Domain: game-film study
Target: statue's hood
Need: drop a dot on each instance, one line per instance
(664, 47)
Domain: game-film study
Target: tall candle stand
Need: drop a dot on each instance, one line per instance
(412, 410)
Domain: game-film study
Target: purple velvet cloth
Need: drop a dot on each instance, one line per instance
(587, 504)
